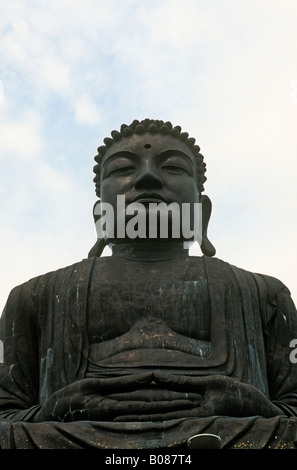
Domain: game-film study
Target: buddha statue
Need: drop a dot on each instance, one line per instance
(151, 345)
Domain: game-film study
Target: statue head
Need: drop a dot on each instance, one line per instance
(152, 157)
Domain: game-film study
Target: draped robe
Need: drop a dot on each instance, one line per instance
(46, 329)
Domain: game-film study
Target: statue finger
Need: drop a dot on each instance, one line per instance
(105, 385)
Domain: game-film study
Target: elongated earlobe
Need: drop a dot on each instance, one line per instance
(97, 249)
(100, 244)
(206, 246)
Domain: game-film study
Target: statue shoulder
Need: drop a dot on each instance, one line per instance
(272, 285)
(41, 295)
(35, 286)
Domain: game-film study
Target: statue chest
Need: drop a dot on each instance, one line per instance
(122, 295)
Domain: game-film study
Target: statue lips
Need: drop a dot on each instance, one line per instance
(148, 197)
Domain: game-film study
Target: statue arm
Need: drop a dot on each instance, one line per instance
(280, 329)
(19, 370)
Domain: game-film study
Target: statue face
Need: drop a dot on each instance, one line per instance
(149, 168)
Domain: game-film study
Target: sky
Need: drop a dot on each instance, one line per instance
(72, 71)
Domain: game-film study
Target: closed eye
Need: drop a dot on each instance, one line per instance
(174, 169)
(121, 171)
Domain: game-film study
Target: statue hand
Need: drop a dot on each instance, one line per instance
(87, 398)
(223, 396)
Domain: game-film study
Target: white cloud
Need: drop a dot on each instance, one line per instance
(187, 25)
(20, 135)
(86, 111)
(225, 71)
(54, 75)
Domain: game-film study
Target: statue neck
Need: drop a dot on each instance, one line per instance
(144, 251)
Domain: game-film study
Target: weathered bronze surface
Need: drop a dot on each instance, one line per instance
(150, 346)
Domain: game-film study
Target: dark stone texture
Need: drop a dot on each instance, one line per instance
(150, 346)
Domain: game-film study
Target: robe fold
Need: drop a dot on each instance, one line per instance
(46, 347)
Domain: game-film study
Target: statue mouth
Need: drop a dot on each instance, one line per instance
(149, 197)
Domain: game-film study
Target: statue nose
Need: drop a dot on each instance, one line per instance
(148, 180)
